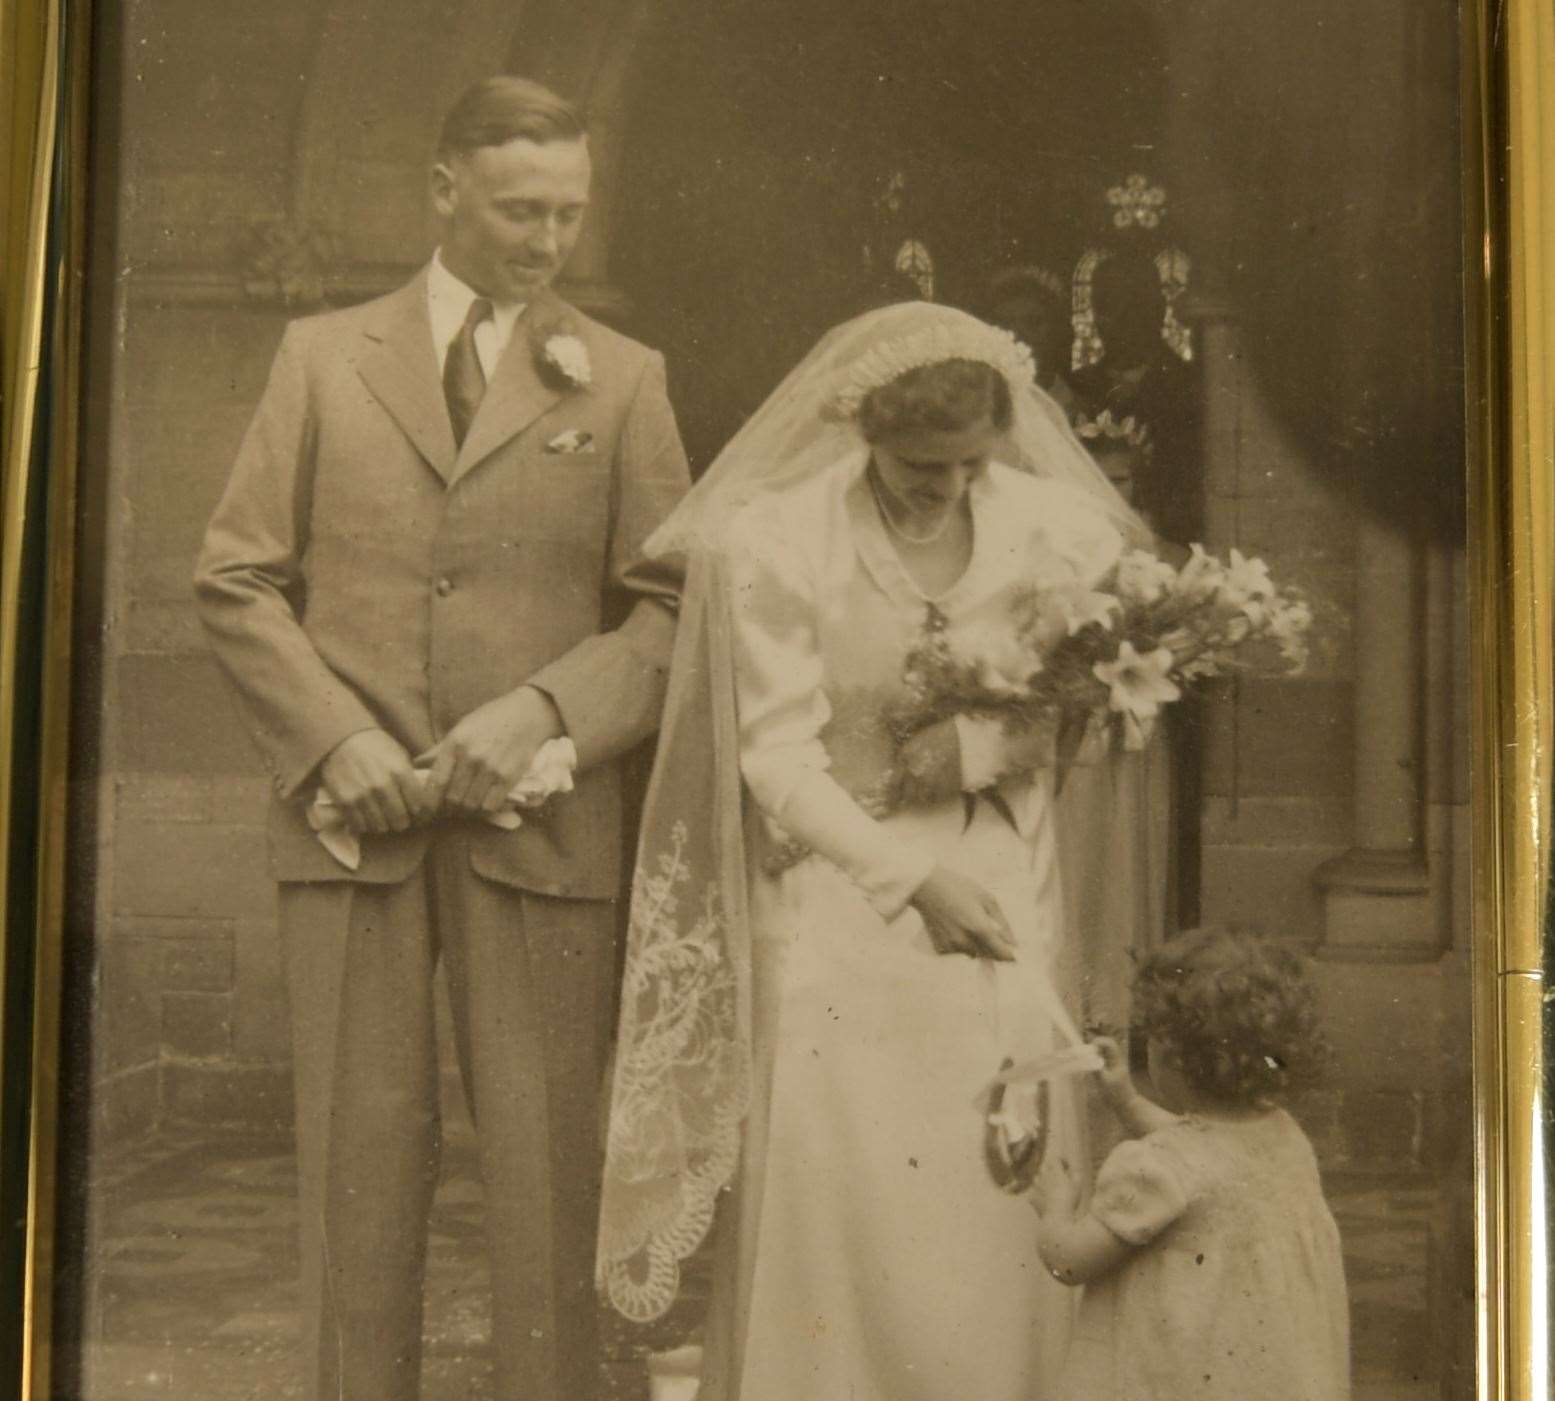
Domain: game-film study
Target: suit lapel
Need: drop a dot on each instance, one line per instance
(400, 368)
(516, 396)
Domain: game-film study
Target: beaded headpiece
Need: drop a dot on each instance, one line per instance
(889, 361)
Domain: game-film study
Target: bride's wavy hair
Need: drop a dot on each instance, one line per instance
(1234, 1011)
(947, 397)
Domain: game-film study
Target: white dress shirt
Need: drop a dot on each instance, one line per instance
(448, 301)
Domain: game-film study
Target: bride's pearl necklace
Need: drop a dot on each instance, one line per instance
(890, 523)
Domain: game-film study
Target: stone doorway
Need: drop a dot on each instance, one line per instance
(785, 166)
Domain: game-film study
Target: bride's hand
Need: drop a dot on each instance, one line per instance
(962, 917)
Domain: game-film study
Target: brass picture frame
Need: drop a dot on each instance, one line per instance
(1508, 180)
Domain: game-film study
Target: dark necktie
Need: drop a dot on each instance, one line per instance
(464, 382)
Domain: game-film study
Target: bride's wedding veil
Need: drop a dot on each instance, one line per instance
(681, 1085)
(795, 434)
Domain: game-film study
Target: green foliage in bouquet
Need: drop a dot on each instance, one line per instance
(1070, 656)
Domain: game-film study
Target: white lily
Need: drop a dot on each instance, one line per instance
(1138, 684)
(1249, 576)
(1143, 577)
(1201, 577)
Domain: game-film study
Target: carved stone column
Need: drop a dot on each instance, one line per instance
(1380, 906)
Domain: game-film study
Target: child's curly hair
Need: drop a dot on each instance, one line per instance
(1236, 1013)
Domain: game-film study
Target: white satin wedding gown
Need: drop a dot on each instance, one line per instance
(867, 1254)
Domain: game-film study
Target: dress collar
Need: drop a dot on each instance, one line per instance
(885, 565)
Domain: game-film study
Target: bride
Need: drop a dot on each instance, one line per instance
(834, 943)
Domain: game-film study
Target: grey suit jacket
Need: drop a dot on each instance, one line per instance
(362, 571)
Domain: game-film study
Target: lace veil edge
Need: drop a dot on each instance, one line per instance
(681, 1087)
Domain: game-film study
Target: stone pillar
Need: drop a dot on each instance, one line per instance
(1387, 701)
(1378, 895)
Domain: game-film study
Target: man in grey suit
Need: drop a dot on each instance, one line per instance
(424, 568)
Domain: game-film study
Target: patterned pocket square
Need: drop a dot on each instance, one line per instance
(570, 440)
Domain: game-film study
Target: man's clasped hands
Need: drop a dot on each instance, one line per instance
(484, 765)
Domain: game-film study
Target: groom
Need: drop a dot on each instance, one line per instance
(424, 568)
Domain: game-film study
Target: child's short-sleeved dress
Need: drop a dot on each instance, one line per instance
(1237, 1291)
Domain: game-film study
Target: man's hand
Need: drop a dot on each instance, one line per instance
(477, 763)
(370, 777)
(962, 917)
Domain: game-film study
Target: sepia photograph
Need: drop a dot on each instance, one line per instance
(772, 700)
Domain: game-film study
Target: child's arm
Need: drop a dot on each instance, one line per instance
(1079, 1249)
(1136, 1198)
(1073, 1244)
(1137, 1114)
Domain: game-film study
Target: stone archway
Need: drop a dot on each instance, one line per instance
(376, 84)
(589, 50)
(784, 165)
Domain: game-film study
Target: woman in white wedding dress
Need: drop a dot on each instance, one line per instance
(820, 985)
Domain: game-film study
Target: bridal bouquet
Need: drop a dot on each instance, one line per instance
(1067, 657)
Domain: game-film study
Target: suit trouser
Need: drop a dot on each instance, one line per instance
(530, 982)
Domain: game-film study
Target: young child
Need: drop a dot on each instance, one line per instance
(1210, 1259)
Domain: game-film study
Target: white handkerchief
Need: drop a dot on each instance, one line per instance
(1081, 1059)
(570, 440)
(549, 773)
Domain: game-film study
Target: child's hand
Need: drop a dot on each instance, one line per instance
(1138, 1114)
(1116, 1082)
(1056, 1192)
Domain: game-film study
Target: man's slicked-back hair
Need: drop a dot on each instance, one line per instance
(500, 109)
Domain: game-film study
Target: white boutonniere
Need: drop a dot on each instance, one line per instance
(565, 357)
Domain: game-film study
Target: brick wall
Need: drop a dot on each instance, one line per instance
(227, 123)
(193, 1006)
